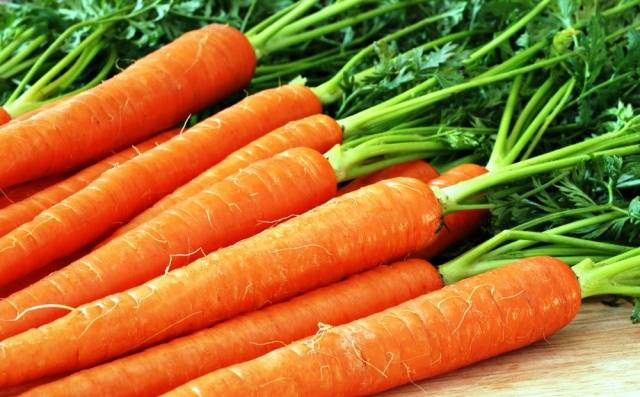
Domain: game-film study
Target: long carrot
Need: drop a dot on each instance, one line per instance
(154, 93)
(318, 132)
(441, 331)
(314, 249)
(250, 201)
(23, 211)
(245, 337)
(124, 191)
(18, 193)
(418, 169)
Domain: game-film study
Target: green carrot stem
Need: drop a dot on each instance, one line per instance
(366, 169)
(67, 78)
(500, 145)
(19, 68)
(516, 60)
(270, 20)
(506, 34)
(620, 8)
(20, 39)
(529, 110)
(266, 69)
(24, 53)
(597, 279)
(319, 16)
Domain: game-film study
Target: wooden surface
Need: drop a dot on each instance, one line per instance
(598, 354)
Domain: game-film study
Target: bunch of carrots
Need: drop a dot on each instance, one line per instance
(251, 208)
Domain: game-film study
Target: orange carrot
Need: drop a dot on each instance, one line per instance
(4, 116)
(317, 248)
(244, 204)
(418, 169)
(156, 92)
(25, 210)
(317, 132)
(245, 337)
(457, 225)
(18, 193)
(461, 324)
(122, 192)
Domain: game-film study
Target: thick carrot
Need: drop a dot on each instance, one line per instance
(457, 225)
(461, 324)
(122, 192)
(245, 337)
(18, 193)
(242, 205)
(317, 132)
(25, 210)
(418, 169)
(156, 92)
(317, 248)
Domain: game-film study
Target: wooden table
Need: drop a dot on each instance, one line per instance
(596, 355)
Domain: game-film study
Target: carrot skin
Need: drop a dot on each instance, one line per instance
(245, 337)
(418, 169)
(318, 132)
(120, 193)
(21, 212)
(457, 225)
(25, 190)
(155, 93)
(444, 330)
(5, 117)
(317, 248)
(249, 201)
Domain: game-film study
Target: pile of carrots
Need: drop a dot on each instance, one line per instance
(271, 249)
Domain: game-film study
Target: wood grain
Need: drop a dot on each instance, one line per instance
(598, 354)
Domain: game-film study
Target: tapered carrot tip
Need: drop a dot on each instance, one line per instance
(4, 116)
(461, 324)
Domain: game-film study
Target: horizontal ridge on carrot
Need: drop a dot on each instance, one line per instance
(436, 333)
(20, 192)
(245, 337)
(186, 75)
(18, 213)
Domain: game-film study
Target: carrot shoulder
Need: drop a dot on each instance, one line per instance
(461, 324)
(418, 169)
(317, 248)
(122, 192)
(245, 337)
(318, 132)
(156, 92)
(23, 211)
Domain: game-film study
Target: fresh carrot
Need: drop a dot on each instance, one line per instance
(23, 211)
(457, 225)
(4, 116)
(436, 333)
(317, 132)
(154, 93)
(249, 201)
(418, 169)
(317, 248)
(245, 337)
(18, 193)
(124, 191)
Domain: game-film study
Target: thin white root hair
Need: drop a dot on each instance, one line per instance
(168, 268)
(41, 307)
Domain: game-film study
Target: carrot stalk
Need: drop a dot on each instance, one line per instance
(245, 337)
(318, 132)
(174, 74)
(314, 249)
(126, 190)
(425, 337)
(21, 212)
(249, 201)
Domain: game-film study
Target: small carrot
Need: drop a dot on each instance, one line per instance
(317, 132)
(18, 193)
(436, 333)
(317, 248)
(246, 203)
(245, 337)
(23, 211)
(418, 169)
(122, 192)
(156, 92)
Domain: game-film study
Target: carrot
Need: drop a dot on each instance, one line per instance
(314, 249)
(418, 169)
(4, 116)
(245, 337)
(154, 93)
(436, 333)
(246, 203)
(21, 192)
(317, 132)
(457, 225)
(25, 210)
(124, 191)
